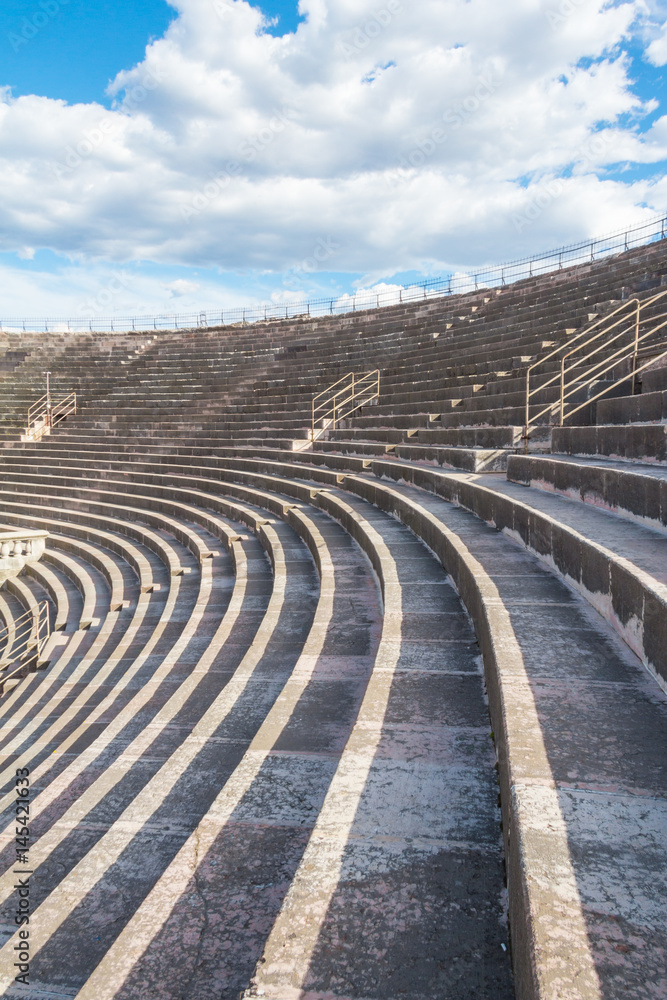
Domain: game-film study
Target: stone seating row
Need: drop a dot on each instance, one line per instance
(331, 643)
(526, 680)
(624, 578)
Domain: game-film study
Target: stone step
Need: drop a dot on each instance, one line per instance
(545, 694)
(633, 442)
(642, 409)
(622, 573)
(631, 490)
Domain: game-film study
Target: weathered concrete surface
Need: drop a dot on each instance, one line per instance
(148, 885)
(395, 894)
(580, 732)
(634, 491)
(617, 565)
(633, 442)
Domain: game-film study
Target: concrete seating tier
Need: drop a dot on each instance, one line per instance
(284, 682)
(458, 531)
(307, 656)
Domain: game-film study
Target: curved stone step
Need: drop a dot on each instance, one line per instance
(631, 490)
(53, 584)
(621, 572)
(134, 934)
(121, 580)
(558, 794)
(152, 633)
(532, 841)
(275, 626)
(20, 513)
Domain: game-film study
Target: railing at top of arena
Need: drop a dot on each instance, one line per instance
(452, 284)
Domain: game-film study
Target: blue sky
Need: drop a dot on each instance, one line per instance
(217, 152)
(83, 45)
(80, 48)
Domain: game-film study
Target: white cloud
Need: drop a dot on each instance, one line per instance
(97, 289)
(657, 50)
(411, 134)
(181, 287)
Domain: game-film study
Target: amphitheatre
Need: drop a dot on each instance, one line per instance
(333, 649)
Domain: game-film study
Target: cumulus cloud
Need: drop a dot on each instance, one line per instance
(408, 134)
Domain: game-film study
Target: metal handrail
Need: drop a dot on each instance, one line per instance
(5, 630)
(27, 653)
(31, 628)
(356, 391)
(558, 350)
(325, 392)
(47, 412)
(37, 409)
(591, 335)
(63, 408)
(631, 374)
(602, 366)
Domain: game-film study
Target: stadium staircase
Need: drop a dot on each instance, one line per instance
(364, 711)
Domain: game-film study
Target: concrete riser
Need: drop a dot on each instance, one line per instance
(634, 494)
(638, 443)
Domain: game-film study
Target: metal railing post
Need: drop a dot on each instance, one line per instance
(48, 399)
(562, 391)
(636, 347)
